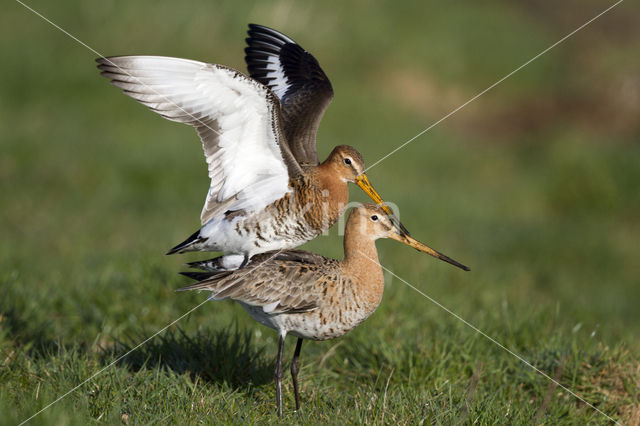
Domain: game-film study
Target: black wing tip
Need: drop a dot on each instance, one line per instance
(268, 35)
(107, 60)
(109, 64)
(102, 64)
(258, 28)
(299, 65)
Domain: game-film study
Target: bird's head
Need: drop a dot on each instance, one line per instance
(347, 162)
(349, 167)
(374, 223)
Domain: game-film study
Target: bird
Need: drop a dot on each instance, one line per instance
(268, 189)
(310, 296)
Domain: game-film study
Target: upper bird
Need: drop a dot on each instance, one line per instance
(268, 191)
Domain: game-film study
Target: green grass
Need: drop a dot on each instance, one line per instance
(534, 186)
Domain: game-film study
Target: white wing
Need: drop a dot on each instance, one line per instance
(236, 117)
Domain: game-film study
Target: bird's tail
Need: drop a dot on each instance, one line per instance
(210, 265)
(211, 270)
(207, 280)
(187, 245)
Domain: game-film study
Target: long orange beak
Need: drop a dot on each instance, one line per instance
(412, 242)
(363, 182)
(402, 234)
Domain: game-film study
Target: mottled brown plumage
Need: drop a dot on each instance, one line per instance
(308, 295)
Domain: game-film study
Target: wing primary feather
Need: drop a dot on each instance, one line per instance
(237, 118)
(297, 79)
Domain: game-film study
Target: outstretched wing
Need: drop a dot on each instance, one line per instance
(296, 77)
(236, 117)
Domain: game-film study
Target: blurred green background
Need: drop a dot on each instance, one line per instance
(535, 186)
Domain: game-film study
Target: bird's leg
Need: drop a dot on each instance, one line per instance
(294, 372)
(279, 375)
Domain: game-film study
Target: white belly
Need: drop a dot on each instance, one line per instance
(308, 325)
(240, 235)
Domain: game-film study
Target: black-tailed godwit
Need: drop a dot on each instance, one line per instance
(310, 296)
(268, 191)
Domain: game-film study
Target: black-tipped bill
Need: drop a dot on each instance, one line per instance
(405, 238)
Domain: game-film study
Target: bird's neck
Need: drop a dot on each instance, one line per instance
(334, 188)
(361, 262)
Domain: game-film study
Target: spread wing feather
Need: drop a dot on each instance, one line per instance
(296, 78)
(237, 119)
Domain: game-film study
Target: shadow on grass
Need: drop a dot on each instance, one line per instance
(221, 356)
(33, 338)
(226, 355)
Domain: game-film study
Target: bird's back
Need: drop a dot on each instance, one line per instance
(301, 293)
(277, 281)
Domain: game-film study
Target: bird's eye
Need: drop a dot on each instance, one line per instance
(374, 217)
(347, 161)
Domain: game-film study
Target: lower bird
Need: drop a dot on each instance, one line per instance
(310, 296)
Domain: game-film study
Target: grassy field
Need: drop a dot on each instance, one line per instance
(534, 186)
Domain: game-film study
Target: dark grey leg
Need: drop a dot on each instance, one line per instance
(279, 375)
(294, 372)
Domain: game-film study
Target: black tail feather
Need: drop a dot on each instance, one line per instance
(194, 238)
(211, 265)
(197, 275)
